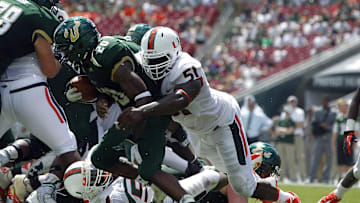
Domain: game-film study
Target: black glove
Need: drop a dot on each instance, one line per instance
(349, 139)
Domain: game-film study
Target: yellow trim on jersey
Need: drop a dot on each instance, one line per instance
(94, 61)
(118, 64)
(43, 34)
(132, 142)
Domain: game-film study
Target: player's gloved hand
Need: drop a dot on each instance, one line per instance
(46, 193)
(349, 139)
(73, 94)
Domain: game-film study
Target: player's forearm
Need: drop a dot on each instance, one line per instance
(166, 106)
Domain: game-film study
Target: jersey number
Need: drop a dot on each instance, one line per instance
(9, 14)
(191, 72)
(101, 47)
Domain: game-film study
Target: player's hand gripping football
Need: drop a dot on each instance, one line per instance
(349, 139)
(73, 94)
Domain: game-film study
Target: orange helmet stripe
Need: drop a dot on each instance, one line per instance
(152, 39)
(72, 172)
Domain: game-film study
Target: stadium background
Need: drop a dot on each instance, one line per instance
(269, 49)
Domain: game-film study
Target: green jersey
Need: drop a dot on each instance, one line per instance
(111, 52)
(21, 23)
(286, 124)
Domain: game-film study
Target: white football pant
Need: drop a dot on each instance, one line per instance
(29, 101)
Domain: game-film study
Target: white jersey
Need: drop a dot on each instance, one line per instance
(25, 66)
(209, 109)
(124, 190)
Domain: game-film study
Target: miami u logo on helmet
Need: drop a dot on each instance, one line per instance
(73, 33)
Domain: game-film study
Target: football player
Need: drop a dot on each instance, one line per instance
(353, 175)
(176, 137)
(83, 181)
(210, 117)
(111, 66)
(26, 60)
(79, 115)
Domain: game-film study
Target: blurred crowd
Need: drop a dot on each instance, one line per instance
(269, 37)
(310, 143)
(192, 19)
(264, 38)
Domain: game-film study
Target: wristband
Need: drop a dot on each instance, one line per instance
(350, 125)
(181, 91)
(142, 95)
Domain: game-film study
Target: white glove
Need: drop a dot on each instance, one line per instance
(46, 193)
(73, 94)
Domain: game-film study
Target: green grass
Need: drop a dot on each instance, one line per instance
(311, 193)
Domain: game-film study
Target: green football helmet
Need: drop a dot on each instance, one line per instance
(47, 3)
(75, 38)
(137, 31)
(270, 162)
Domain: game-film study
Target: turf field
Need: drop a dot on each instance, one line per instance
(312, 193)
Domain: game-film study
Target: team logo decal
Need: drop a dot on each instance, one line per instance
(73, 33)
(267, 154)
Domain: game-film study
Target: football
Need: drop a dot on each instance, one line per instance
(88, 90)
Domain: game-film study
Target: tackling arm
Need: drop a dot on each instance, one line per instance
(173, 102)
(170, 104)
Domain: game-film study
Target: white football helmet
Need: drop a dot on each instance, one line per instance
(160, 47)
(83, 181)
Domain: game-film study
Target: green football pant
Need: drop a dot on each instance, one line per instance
(151, 145)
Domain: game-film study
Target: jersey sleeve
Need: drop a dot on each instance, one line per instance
(44, 25)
